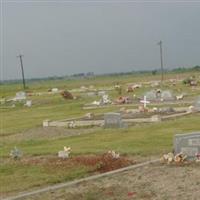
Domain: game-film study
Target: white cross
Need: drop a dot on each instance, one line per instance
(145, 102)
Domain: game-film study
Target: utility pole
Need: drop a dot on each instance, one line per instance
(22, 68)
(161, 61)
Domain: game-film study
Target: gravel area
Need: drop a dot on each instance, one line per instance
(152, 182)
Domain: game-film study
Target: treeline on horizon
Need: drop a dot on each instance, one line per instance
(92, 74)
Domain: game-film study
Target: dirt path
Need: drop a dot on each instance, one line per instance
(150, 182)
(53, 188)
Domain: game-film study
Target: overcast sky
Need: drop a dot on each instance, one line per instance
(67, 37)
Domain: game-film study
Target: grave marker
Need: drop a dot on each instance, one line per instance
(188, 144)
(197, 104)
(113, 120)
(46, 123)
(167, 96)
(20, 96)
(28, 103)
(63, 154)
(145, 102)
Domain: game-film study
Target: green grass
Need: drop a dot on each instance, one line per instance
(19, 177)
(139, 140)
(19, 119)
(101, 81)
(145, 140)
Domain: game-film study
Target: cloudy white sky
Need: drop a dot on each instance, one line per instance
(66, 37)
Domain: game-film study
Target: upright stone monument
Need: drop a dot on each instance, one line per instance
(188, 144)
(167, 96)
(20, 96)
(159, 95)
(113, 120)
(197, 104)
(151, 95)
(63, 154)
(46, 123)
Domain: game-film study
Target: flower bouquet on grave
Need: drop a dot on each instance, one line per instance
(198, 157)
(16, 153)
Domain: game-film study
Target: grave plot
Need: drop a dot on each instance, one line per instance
(95, 163)
(146, 180)
(156, 98)
(119, 119)
(56, 169)
(186, 149)
(159, 95)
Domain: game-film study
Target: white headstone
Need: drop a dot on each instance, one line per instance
(28, 103)
(63, 154)
(54, 90)
(20, 96)
(46, 123)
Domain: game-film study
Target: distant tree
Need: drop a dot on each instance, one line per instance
(154, 72)
(90, 74)
(196, 68)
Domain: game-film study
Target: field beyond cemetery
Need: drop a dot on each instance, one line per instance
(39, 165)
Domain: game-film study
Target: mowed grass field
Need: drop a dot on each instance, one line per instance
(54, 107)
(22, 127)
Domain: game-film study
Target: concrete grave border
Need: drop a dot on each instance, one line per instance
(84, 123)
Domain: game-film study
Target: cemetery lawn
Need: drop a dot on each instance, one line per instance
(138, 143)
(22, 127)
(54, 107)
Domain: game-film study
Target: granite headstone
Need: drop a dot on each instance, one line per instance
(197, 104)
(188, 144)
(113, 120)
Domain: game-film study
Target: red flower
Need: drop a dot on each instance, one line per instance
(130, 194)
